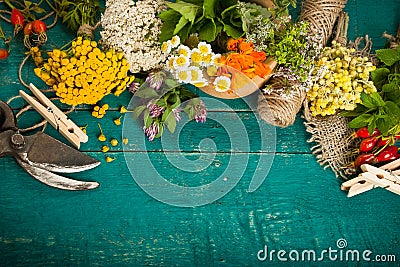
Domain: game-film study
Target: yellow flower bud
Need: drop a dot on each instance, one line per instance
(114, 142)
(109, 159)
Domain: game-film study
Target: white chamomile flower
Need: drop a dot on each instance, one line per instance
(207, 59)
(166, 47)
(222, 84)
(196, 73)
(184, 50)
(196, 56)
(170, 63)
(175, 41)
(181, 62)
(204, 48)
(215, 59)
(183, 75)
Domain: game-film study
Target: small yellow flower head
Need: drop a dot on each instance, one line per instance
(109, 159)
(105, 149)
(125, 141)
(118, 121)
(101, 137)
(114, 142)
(83, 128)
(122, 110)
(105, 106)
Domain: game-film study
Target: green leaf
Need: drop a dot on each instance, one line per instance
(179, 26)
(382, 126)
(147, 92)
(367, 100)
(377, 99)
(379, 77)
(209, 8)
(188, 10)
(147, 119)
(170, 18)
(170, 122)
(390, 87)
(171, 83)
(209, 31)
(360, 121)
(137, 111)
(233, 32)
(393, 109)
(372, 125)
(388, 56)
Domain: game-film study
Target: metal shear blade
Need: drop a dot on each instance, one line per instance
(40, 154)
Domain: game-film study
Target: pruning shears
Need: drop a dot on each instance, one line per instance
(41, 155)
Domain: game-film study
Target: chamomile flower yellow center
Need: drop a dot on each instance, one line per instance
(222, 84)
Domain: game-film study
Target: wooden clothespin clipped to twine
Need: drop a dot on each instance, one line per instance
(55, 116)
(386, 177)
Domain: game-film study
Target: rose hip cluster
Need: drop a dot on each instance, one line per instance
(375, 148)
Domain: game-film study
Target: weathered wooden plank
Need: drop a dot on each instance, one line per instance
(119, 224)
(224, 128)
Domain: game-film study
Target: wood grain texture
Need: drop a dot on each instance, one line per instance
(299, 206)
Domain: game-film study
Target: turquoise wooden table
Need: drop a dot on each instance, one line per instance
(298, 209)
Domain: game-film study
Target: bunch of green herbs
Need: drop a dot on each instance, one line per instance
(381, 109)
(207, 18)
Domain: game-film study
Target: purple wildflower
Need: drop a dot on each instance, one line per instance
(200, 112)
(133, 87)
(151, 131)
(155, 110)
(177, 113)
(155, 80)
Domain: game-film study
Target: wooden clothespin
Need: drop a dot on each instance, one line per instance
(55, 116)
(373, 177)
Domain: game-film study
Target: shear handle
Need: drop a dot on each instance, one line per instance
(7, 118)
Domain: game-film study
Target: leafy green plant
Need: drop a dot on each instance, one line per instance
(76, 13)
(381, 109)
(208, 18)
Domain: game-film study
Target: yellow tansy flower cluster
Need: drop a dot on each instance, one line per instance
(36, 55)
(84, 74)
